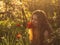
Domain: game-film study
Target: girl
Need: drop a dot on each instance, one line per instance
(41, 29)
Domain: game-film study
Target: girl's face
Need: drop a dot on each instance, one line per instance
(35, 20)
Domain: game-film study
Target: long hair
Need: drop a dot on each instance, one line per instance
(42, 20)
(43, 24)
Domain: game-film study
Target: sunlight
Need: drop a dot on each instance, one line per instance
(2, 6)
(30, 34)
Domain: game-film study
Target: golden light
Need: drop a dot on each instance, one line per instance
(2, 6)
(16, 2)
(30, 34)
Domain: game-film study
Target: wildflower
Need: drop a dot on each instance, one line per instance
(2, 37)
(18, 35)
(18, 25)
(29, 25)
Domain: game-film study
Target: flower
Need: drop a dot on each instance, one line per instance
(18, 35)
(29, 25)
(2, 37)
(18, 25)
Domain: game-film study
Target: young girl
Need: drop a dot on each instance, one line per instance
(41, 29)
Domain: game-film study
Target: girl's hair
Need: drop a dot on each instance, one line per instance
(42, 20)
(43, 25)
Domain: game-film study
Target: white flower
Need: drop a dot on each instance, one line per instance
(2, 37)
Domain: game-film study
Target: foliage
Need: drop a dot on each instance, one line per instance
(13, 23)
